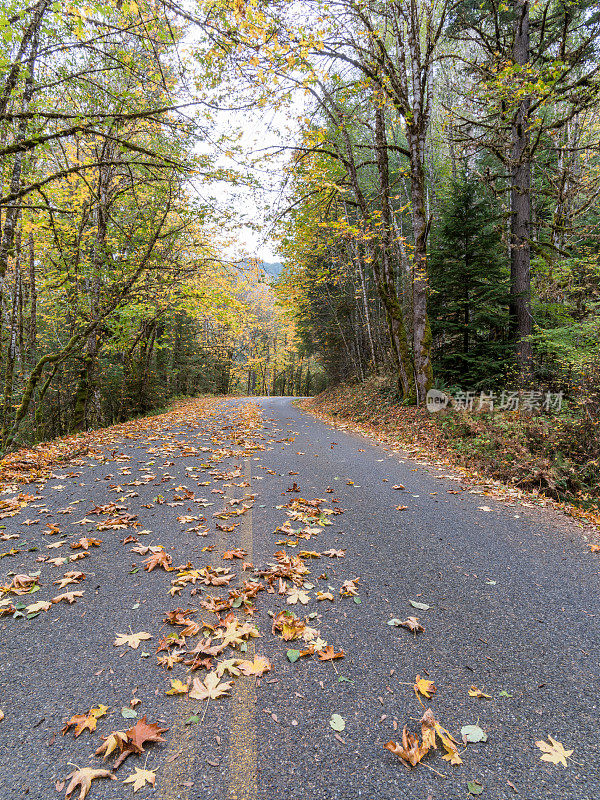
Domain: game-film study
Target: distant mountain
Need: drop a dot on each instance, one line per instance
(272, 268)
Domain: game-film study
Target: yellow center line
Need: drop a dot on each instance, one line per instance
(243, 784)
(182, 749)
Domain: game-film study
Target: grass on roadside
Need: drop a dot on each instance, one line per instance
(555, 455)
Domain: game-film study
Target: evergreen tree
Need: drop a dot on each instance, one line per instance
(469, 283)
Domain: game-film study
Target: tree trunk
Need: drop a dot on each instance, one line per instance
(521, 320)
(9, 368)
(384, 270)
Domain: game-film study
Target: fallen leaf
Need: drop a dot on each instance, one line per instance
(68, 597)
(474, 787)
(82, 779)
(424, 687)
(327, 654)
(35, 608)
(420, 606)
(473, 733)
(158, 559)
(117, 739)
(259, 666)
(412, 623)
(210, 688)
(337, 722)
(178, 687)
(410, 751)
(554, 752)
(475, 692)
(325, 596)
(297, 595)
(133, 640)
(83, 721)
(140, 778)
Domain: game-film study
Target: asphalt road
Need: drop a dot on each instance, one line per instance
(514, 610)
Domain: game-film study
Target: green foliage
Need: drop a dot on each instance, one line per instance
(468, 280)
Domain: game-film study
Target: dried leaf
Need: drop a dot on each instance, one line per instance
(83, 721)
(259, 666)
(82, 779)
(424, 687)
(210, 688)
(140, 778)
(554, 752)
(133, 640)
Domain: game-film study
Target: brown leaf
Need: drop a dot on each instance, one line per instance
(159, 559)
(410, 751)
(328, 654)
(83, 721)
(413, 625)
(82, 779)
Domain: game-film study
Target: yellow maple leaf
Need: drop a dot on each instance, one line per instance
(140, 778)
(554, 752)
(424, 687)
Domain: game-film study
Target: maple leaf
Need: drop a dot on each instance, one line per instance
(133, 640)
(256, 667)
(228, 665)
(237, 553)
(137, 736)
(349, 588)
(449, 742)
(210, 688)
(83, 721)
(554, 752)
(117, 739)
(82, 779)
(297, 595)
(178, 687)
(86, 543)
(328, 654)
(425, 687)
(159, 559)
(35, 608)
(410, 751)
(140, 778)
(413, 625)
(68, 597)
(177, 616)
(235, 632)
(428, 730)
(212, 603)
(206, 648)
(73, 576)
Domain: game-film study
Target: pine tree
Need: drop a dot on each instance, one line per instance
(469, 284)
